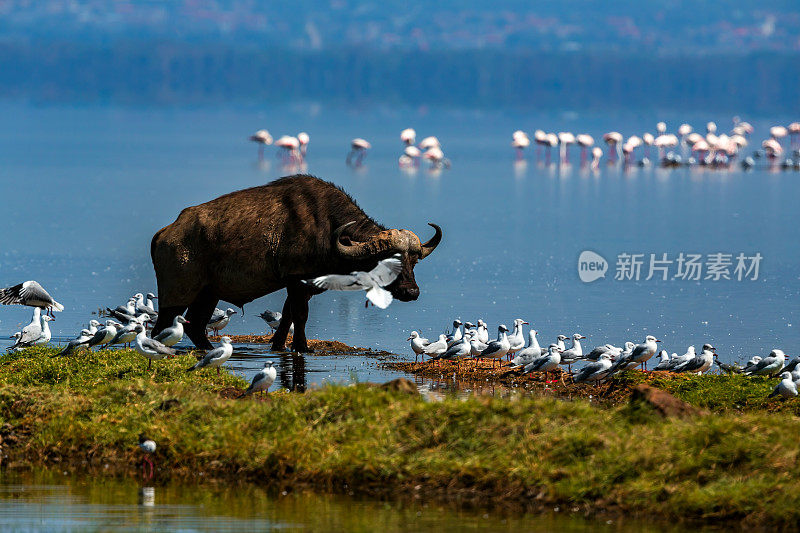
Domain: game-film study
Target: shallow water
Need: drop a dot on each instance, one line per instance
(87, 200)
(49, 501)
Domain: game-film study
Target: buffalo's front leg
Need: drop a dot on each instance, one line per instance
(198, 315)
(298, 297)
(279, 338)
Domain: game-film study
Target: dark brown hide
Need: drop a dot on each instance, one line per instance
(252, 242)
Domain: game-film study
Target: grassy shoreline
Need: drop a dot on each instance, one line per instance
(527, 452)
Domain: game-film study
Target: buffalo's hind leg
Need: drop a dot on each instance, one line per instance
(198, 315)
(298, 297)
(279, 337)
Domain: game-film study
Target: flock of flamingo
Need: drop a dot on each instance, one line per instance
(711, 149)
(684, 147)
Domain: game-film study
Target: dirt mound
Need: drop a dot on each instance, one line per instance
(398, 385)
(320, 347)
(662, 402)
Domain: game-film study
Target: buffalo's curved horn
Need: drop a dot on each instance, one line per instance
(392, 239)
(431, 245)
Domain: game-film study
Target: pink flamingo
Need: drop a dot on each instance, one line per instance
(565, 138)
(540, 138)
(597, 153)
(263, 138)
(794, 134)
(778, 132)
(289, 149)
(613, 140)
(358, 147)
(408, 136)
(303, 138)
(520, 141)
(552, 142)
(647, 139)
(585, 141)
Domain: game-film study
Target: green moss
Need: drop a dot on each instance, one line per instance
(91, 407)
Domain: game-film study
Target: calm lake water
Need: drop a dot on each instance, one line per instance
(86, 188)
(49, 501)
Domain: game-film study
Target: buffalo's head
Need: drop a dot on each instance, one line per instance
(388, 242)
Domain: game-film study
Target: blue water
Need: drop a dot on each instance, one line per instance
(86, 188)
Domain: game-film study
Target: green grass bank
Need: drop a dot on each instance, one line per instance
(737, 464)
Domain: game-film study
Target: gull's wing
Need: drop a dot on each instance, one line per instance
(386, 271)
(157, 346)
(166, 332)
(637, 351)
(217, 315)
(338, 282)
(380, 297)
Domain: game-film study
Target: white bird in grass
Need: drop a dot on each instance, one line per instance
(477, 346)
(497, 349)
(418, 344)
(143, 307)
(516, 340)
(700, 363)
(172, 335)
(151, 349)
(769, 365)
(219, 319)
(680, 359)
(32, 331)
(594, 371)
(560, 342)
(530, 352)
(263, 380)
(456, 335)
(148, 446)
(664, 363)
(483, 331)
(373, 281)
(84, 337)
(35, 335)
(787, 388)
(644, 351)
(29, 293)
(545, 363)
(437, 347)
(574, 354)
(127, 333)
(215, 358)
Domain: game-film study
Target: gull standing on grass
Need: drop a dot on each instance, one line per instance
(373, 281)
(215, 358)
(700, 363)
(172, 335)
(418, 345)
(84, 337)
(143, 307)
(35, 336)
(769, 365)
(219, 319)
(594, 371)
(786, 388)
(32, 331)
(575, 353)
(546, 363)
(530, 352)
(152, 350)
(263, 380)
(127, 333)
(516, 340)
(29, 293)
(664, 363)
(643, 352)
(497, 349)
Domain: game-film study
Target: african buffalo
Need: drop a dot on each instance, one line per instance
(252, 242)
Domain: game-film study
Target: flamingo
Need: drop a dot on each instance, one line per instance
(540, 138)
(435, 155)
(778, 132)
(628, 148)
(358, 147)
(408, 136)
(772, 147)
(303, 138)
(429, 142)
(794, 134)
(263, 138)
(410, 156)
(289, 148)
(520, 141)
(613, 140)
(597, 153)
(552, 142)
(665, 141)
(700, 146)
(565, 138)
(647, 139)
(585, 141)
(661, 128)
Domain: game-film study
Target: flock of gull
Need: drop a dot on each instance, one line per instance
(129, 324)
(469, 341)
(684, 147)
